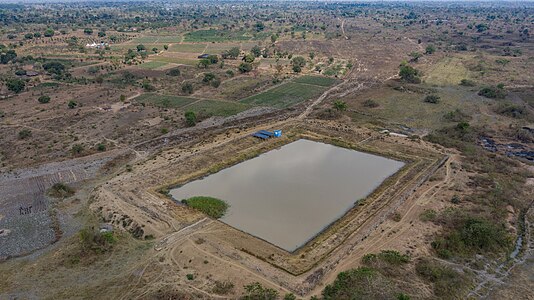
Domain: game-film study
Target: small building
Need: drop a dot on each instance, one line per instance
(205, 55)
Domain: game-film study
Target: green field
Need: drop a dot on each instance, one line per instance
(151, 65)
(175, 60)
(214, 35)
(166, 101)
(216, 108)
(315, 80)
(285, 95)
(448, 71)
(188, 48)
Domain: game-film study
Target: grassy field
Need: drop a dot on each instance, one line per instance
(167, 101)
(188, 48)
(315, 80)
(151, 65)
(214, 35)
(285, 95)
(449, 71)
(212, 207)
(216, 108)
(175, 60)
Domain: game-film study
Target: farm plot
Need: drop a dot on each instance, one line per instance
(175, 60)
(216, 108)
(315, 80)
(285, 95)
(188, 48)
(166, 101)
(214, 35)
(151, 65)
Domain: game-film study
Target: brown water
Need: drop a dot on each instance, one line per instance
(289, 195)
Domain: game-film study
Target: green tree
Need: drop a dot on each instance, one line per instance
(256, 51)
(15, 85)
(49, 32)
(430, 49)
(24, 134)
(234, 52)
(415, 56)
(409, 74)
(72, 104)
(44, 99)
(245, 67)
(339, 105)
(190, 118)
(141, 47)
(249, 58)
(88, 31)
(255, 291)
(187, 88)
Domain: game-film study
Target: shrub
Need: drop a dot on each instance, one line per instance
(432, 99)
(370, 103)
(77, 149)
(212, 207)
(24, 134)
(95, 241)
(290, 296)
(409, 74)
(512, 110)
(428, 215)
(492, 92)
(255, 291)
(60, 190)
(467, 82)
(15, 85)
(174, 72)
(190, 118)
(223, 287)
(72, 104)
(101, 147)
(187, 88)
(190, 276)
(245, 67)
(447, 282)
(457, 116)
(360, 283)
(44, 99)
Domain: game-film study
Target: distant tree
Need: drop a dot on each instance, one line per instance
(190, 118)
(187, 88)
(482, 27)
(44, 99)
(49, 32)
(72, 104)
(340, 105)
(432, 99)
(203, 63)
(88, 31)
(245, 67)
(208, 77)
(493, 92)
(141, 47)
(249, 58)
(77, 149)
(409, 74)
(166, 47)
(54, 67)
(430, 49)
(213, 59)
(24, 134)
(155, 50)
(37, 35)
(147, 86)
(28, 36)
(8, 56)
(312, 55)
(15, 85)
(256, 51)
(101, 34)
(415, 56)
(234, 52)
(274, 37)
(298, 61)
(259, 26)
(256, 291)
(174, 72)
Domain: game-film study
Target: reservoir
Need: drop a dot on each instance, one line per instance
(288, 195)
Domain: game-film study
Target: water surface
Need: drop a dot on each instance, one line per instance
(289, 195)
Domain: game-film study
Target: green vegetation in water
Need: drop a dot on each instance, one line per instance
(212, 207)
